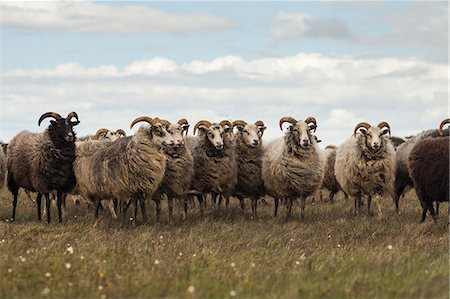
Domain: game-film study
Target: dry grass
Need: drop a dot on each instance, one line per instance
(332, 255)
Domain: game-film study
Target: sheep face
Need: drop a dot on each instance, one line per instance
(251, 134)
(214, 134)
(373, 137)
(160, 136)
(177, 131)
(300, 133)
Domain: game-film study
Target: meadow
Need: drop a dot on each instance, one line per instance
(333, 254)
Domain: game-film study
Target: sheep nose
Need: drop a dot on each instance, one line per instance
(70, 134)
(180, 142)
(255, 142)
(305, 142)
(376, 145)
(219, 145)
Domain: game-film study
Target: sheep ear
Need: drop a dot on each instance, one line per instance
(363, 130)
(312, 127)
(240, 128)
(53, 122)
(184, 128)
(261, 130)
(385, 131)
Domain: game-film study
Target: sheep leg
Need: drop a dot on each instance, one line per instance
(158, 209)
(432, 212)
(220, 200)
(437, 208)
(254, 207)
(242, 202)
(39, 202)
(47, 206)
(63, 198)
(200, 202)
(288, 208)
(124, 213)
(97, 206)
(227, 202)
(58, 204)
(275, 212)
(356, 207)
(331, 198)
(302, 205)
(14, 207)
(170, 204)
(185, 207)
(376, 199)
(369, 201)
(143, 211)
(399, 189)
(135, 212)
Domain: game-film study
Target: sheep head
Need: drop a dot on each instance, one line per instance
(300, 132)
(214, 132)
(156, 131)
(176, 130)
(373, 136)
(61, 127)
(250, 134)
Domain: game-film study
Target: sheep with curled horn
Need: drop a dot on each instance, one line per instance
(43, 162)
(105, 134)
(365, 165)
(179, 168)
(249, 154)
(129, 169)
(429, 167)
(402, 176)
(215, 167)
(291, 166)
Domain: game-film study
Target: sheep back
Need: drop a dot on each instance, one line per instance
(429, 169)
(249, 163)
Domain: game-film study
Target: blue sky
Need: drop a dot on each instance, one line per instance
(314, 58)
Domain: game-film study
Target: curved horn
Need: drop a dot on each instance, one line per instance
(225, 122)
(259, 123)
(70, 116)
(238, 122)
(121, 132)
(383, 124)
(361, 124)
(142, 118)
(202, 122)
(443, 123)
(49, 114)
(311, 120)
(288, 119)
(164, 122)
(183, 121)
(99, 132)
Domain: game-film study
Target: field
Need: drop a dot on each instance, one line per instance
(332, 255)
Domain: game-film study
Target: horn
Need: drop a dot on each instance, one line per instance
(383, 124)
(70, 116)
(49, 114)
(202, 122)
(164, 122)
(225, 122)
(121, 132)
(311, 120)
(259, 123)
(142, 118)
(99, 132)
(443, 123)
(288, 119)
(238, 123)
(361, 124)
(183, 121)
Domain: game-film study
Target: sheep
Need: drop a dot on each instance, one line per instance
(291, 166)
(428, 164)
(105, 134)
(329, 180)
(43, 162)
(215, 167)
(402, 177)
(179, 168)
(365, 164)
(249, 152)
(2, 167)
(129, 168)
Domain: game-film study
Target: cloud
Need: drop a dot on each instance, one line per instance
(86, 16)
(339, 91)
(297, 25)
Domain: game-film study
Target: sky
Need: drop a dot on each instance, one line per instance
(341, 62)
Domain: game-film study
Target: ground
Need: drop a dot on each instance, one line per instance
(333, 254)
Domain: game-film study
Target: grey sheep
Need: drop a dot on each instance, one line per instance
(329, 179)
(428, 165)
(127, 169)
(365, 164)
(291, 166)
(249, 153)
(43, 162)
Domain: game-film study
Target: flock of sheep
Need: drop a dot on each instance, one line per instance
(224, 160)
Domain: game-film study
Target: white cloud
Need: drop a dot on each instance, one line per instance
(86, 16)
(296, 25)
(338, 90)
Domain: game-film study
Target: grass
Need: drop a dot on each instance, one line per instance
(333, 254)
